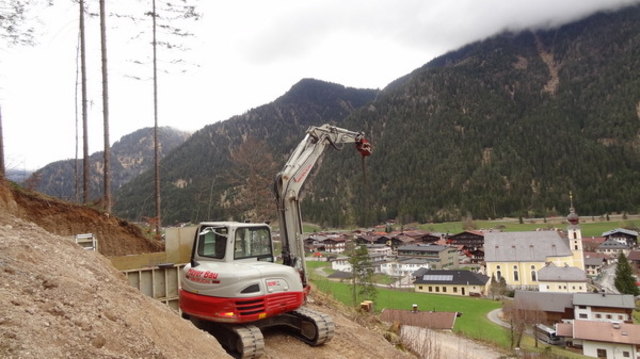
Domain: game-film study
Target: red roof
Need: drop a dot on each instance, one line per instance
(597, 240)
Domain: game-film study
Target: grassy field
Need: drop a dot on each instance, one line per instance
(473, 322)
(590, 228)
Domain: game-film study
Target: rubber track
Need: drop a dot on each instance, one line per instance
(252, 341)
(323, 322)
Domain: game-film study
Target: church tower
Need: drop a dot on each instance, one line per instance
(575, 236)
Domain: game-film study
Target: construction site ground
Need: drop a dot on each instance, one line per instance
(58, 300)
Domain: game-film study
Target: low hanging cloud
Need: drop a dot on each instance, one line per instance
(439, 24)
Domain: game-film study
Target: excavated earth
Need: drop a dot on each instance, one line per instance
(60, 301)
(115, 236)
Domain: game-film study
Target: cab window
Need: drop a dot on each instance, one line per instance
(212, 242)
(253, 242)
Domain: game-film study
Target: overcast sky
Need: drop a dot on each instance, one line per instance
(244, 54)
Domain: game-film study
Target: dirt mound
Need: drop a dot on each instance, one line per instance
(60, 301)
(116, 237)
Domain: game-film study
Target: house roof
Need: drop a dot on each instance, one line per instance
(593, 261)
(613, 244)
(553, 273)
(625, 301)
(620, 230)
(621, 333)
(423, 248)
(432, 320)
(340, 275)
(634, 256)
(463, 277)
(596, 240)
(545, 301)
(420, 272)
(475, 233)
(531, 246)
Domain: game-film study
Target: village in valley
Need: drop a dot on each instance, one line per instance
(552, 280)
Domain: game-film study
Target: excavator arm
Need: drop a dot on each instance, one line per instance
(289, 182)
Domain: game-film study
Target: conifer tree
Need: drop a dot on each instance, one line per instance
(362, 278)
(625, 282)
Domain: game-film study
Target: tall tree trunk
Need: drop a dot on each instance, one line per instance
(76, 165)
(105, 109)
(2, 172)
(155, 126)
(85, 130)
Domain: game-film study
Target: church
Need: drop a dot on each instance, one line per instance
(519, 257)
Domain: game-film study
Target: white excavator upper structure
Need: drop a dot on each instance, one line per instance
(233, 277)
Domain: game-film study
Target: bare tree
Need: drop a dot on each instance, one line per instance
(105, 109)
(252, 174)
(520, 319)
(85, 129)
(423, 342)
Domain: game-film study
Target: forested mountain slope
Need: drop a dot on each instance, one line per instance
(502, 127)
(506, 127)
(130, 156)
(225, 170)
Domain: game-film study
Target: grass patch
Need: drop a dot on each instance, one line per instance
(473, 323)
(590, 228)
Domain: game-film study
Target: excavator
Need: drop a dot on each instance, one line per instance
(233, 287)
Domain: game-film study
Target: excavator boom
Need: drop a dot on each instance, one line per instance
(289, 182)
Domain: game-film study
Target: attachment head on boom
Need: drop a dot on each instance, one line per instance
(363, 146)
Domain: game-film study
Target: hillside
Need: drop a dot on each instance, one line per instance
(58, 300)
(200, 179)
(507, 126)
(115, 236)
(504, 127)
(130, 156)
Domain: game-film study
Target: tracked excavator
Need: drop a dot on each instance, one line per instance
(233, 286)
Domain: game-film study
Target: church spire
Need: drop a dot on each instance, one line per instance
(572, 217)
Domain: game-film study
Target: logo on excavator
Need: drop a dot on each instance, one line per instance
(303, 174)
(202, 276)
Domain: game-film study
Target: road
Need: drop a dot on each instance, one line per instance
(606, 279)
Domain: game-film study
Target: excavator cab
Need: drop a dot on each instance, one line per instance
(233, 241)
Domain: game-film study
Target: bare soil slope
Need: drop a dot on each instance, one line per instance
(60, 301)
(116, 237)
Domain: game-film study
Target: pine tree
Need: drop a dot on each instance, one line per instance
(362, 270)
(625, 281)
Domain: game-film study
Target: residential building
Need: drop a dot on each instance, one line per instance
(555, 306)
(422, 236)
(613, 248)
(602, 339)
(622, 235)
(593, 263)
(341, 264)
(604, 307)
(634, 259)
(552, 278)
(401, 267)
(452, 282)
(472, 243)
(441, 256)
